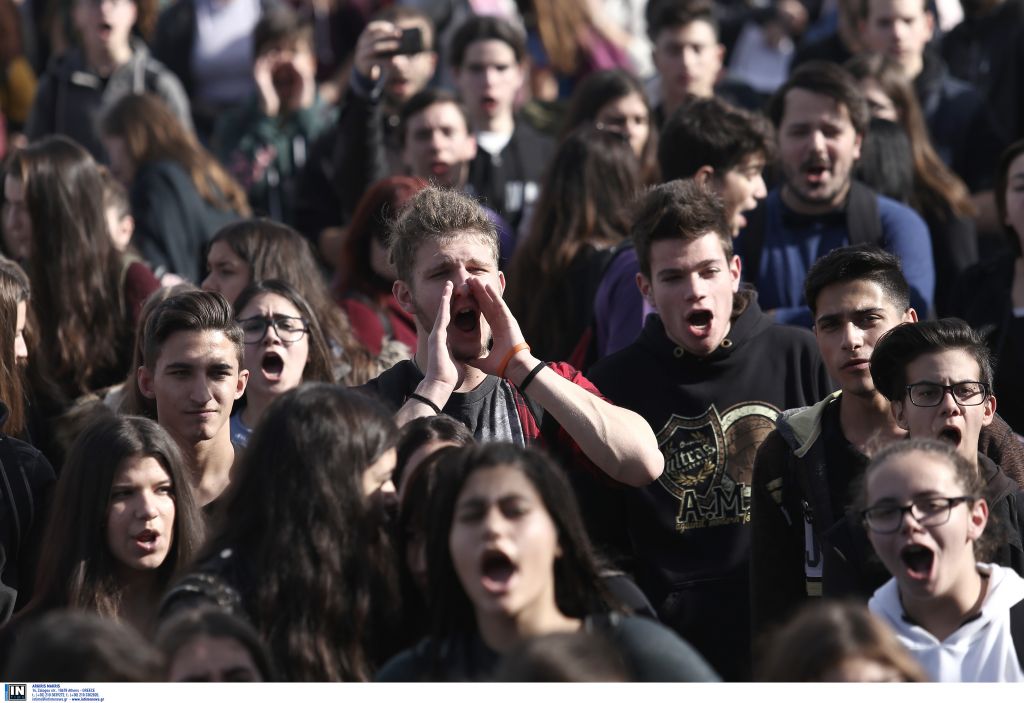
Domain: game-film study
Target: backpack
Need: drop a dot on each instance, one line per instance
(863, 226)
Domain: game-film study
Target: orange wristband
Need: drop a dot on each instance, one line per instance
(508, 357)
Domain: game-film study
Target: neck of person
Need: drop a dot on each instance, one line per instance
(211, 461)
(501, 632)
(866, 418)
(501, 123)
(469, 376)
(140, 598)
(943, 614)
(912, 67)
(104, 60)
(805, 208)
(255, 404)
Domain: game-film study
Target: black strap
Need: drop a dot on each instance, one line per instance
(1017, 631)
(863, 226)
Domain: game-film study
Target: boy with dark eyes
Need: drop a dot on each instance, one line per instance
(192, 370)
(806, 543)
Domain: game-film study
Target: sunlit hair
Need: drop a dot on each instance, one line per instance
(937, 190)
(274, 250)
(85, 331)
(76, 566)
(151, 132)
(189, 311)
(584, 207)
(318, 361)
(316, 566)
(822, 636)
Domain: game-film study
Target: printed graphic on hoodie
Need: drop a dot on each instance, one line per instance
(709, 460)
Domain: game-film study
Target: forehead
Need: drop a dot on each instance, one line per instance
(443, 114)
(269, 303)
(850, 296)
(221, 251)
(903, 8)
(802, 105)
(459, 247)
(489, 50)
(905, 475)
(674, 253)
(947, 365)
(496, 482)
(695, 32)
(140, 468)
(631, 103)
(198, 348)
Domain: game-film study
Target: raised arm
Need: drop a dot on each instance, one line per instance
(617, 440)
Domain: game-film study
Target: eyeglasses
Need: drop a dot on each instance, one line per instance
(927, 395)
(289, 329)
(928, 512)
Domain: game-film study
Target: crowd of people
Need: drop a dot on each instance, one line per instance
(494, 340)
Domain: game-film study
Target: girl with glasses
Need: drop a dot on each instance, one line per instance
(284, 346)
(926, 517)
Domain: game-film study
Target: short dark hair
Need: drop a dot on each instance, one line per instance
(182, 628)
(482, 28)
(669, 14)
(190, 311)
(901, 345)
(710, 132)
(280, 24)
(680, 209)
(824, 78)
(860, 262)
(421, 101)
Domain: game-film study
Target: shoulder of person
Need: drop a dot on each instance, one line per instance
(652, 650)
(899, 218)
(412, 664)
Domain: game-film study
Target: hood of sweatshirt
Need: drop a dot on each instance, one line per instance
(981, 649)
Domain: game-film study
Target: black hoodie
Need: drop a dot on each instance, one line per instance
(689, 531)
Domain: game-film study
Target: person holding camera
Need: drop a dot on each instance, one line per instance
(264, 143)
(394, 60)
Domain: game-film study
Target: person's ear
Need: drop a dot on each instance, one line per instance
(704, 174)
(735, 271)
(897, 408)
(910, 315)
(990, 410)
(858, 139)
(243, 379)
(501, 281)
(471, 147)
(403, 295)
(646, 290)
(977, 519)
(144, 378)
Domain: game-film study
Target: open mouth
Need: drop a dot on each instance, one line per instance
(700, 321)
(146, 539)
(950, 434)
(918, 561)
(439, 168)
(466, 320)
(496, 570)
(816, 173)
(489, 104)
(272, 365)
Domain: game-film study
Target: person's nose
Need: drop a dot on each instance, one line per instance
(145, 508)
(210, 283)
(760, 189)
(818, 142)
(948, 403)
(853, 337)
(200, 392)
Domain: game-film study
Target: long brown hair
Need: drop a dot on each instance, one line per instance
(274, 250)
(85, 328)
(152, 132)
(585, 201)
(937, 190)
(14, 289)
(562, 25)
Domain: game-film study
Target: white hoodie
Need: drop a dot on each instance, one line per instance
(979, 650)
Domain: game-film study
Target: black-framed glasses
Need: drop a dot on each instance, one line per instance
(927, 394)
(928, 512)
(289, 329)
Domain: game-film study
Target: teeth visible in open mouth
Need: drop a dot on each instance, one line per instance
(700, 318)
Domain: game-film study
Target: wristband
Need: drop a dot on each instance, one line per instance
(426, 401)
(530, 376)
(508, 357)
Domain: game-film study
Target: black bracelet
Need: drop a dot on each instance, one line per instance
(529, 377)
(425, 401)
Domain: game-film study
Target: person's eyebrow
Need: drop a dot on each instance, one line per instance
(179, 366)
